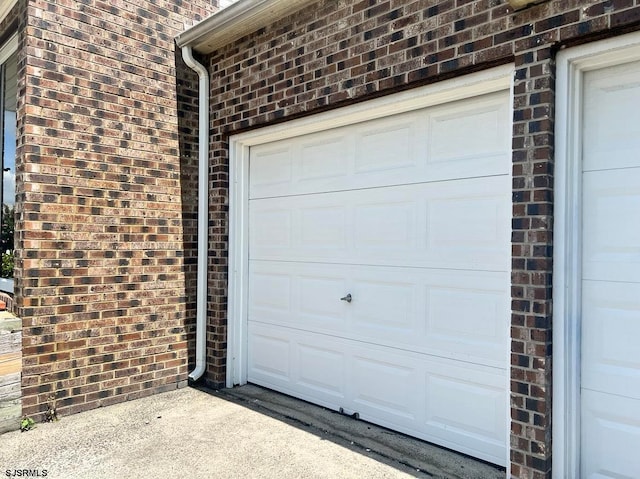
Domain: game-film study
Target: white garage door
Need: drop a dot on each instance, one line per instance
(610, 387)
(410, 216)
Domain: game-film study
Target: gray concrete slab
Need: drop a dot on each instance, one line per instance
(246, 432)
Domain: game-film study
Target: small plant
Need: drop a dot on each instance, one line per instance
(7, 228)
(6, 264)
(26, 424)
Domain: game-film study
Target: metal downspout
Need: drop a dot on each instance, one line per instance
(203, 211)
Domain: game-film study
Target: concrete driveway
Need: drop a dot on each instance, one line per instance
(246, 432)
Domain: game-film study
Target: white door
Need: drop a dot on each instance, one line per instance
(407, 216)
(610, 365)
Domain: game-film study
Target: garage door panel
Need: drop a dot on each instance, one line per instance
(388, 146)
(400, 389)
(322, 160)
(323, 379)
(322, 227)
(318, 296)
(270, 355)
(468, 131)
(321, 368)
(468, 316)
(271, 291)
(453, 314)
(271, 228)
(610, 286)
(422, 405)
(458, 225)
(611, 324)
(611, 248)
(384, 387)
(415, 147)
(399, 227)
(468, 229)
(610, 436)
(386, 305)
(271, 167)
(467, 401)
(612, 117)
(314, 298)
(410, 215)
(375, 153)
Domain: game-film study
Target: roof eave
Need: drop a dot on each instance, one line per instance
(236, 21)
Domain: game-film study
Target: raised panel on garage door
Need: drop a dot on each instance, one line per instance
(410, 215)
(464, 139)
(455, 404)
(446, 313)
(610, 364)
(452, 225)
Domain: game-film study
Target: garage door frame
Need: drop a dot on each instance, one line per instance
(489, 81)
(571, 66)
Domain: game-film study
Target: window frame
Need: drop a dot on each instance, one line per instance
(7, 50)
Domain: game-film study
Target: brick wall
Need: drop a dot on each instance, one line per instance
(102, 284)
(335, 53)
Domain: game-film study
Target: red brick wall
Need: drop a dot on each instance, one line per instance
(336, 53)
(103, 218)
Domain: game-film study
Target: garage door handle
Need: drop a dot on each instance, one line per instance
(347, 298)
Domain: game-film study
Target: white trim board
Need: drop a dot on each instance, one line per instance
(6, 7)
(8, 48)
(571, 66)
(497, 79)
(235, 20)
